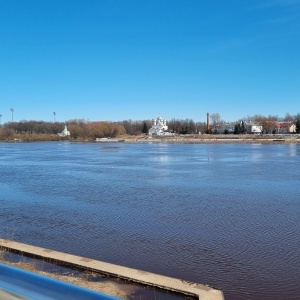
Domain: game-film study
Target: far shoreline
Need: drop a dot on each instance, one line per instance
(174, 139)
(219, 139)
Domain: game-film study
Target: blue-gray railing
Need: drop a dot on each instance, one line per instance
(19, 284)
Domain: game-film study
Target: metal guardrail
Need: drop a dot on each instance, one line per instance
(20, 284)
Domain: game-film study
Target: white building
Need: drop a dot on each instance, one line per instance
(65, 132)
(159, 127)
(253, 128)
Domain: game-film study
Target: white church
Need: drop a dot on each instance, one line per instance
(65, 132)
(159, 127)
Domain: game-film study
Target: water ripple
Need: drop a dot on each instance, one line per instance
(224, 215)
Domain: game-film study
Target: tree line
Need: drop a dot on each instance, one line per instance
(81, 129)
(180, 126)
(268, 123)
(217, 125)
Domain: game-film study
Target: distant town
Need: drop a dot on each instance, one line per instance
(82, 130)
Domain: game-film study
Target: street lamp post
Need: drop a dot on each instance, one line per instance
(12, 115)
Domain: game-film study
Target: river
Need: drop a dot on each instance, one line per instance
(223, 215)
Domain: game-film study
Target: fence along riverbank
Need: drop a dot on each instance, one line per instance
(202, 292)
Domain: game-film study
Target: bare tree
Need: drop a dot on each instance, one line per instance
(268, 123)
(289, 120)
(215, 121)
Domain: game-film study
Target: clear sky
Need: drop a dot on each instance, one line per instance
(137, 59)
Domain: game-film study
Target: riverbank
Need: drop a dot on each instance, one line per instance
(179, 139)
(218, 138)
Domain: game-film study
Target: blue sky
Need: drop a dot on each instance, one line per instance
(137, 59)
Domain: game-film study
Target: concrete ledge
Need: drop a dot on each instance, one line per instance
(203, 292)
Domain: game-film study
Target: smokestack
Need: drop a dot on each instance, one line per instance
(207, 122)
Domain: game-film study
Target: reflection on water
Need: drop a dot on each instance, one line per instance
(224, 215)
(293, 150)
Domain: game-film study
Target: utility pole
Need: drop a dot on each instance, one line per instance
(54, 114)
(12, 115)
